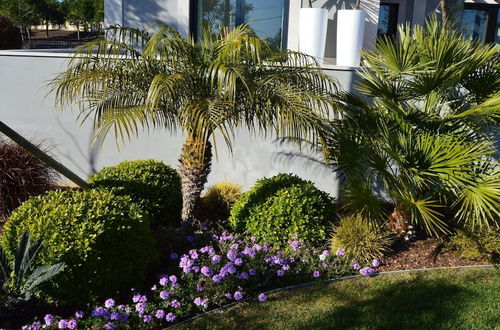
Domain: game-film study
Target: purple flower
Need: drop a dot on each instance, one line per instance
(147, 318)
(238, 261)
(109, 303)
(163, 280)
(109, 326)
(201, 302)
(248, 251)
(356, 266)
(257, 247)
(340, 252)
(207, 271)
(228, 295)
(238, 295)
(62, 324)
(215, 259)
(141, 307)
(174, 256)
(79, 314)
(193, 254)
(36, 326)
(243, 276)
(173, 279)
(138, 298)
(367, 271)
(262, 297)
(285, 267)
(160, 313)
(375, 263)
(252, 272)
(231, 255)
(280, 272)
(100, 312)
(294, 244)
(114, 316)
(196, 269)
(326, 253)
(199, 288)
(175, 303)
(122, 317)
(72, 324)
(217, 278)
(165, 294)
(170, 317)
(49, 319)
(316, 274)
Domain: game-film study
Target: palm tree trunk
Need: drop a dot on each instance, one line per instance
(35, 151)
(194, 167)
(399, 219)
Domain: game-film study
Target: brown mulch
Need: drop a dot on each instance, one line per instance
(425, 253)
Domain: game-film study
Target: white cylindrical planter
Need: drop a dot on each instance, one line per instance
(350, 34)
(312, 32)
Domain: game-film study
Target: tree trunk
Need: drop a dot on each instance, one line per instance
(35, 151)
(194, 168)
(399, 219)
(47, 29)
(78, 31)
(449, 9)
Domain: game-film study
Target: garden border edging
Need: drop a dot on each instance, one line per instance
(307, 284)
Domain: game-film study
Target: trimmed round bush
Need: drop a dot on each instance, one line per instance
(153, 185)
(104, 241)
(475, 245)
(283, 208)
(362, 239)
(10, 35)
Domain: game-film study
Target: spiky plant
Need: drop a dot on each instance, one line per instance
(427, 135)
(20, 280)
(132, 80)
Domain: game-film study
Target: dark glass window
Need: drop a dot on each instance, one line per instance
(481, 21)
(388, 19)
(266, 18)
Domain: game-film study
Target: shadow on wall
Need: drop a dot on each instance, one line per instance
(370, 6)
(89, 153)
(142, 13)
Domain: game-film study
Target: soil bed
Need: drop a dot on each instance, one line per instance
(425, 253)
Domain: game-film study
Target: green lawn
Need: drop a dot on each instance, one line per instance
(440, 299)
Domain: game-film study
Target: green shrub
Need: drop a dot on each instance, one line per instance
(216, 203)
(104, 241)
(280, 208)
(362, 239)
(475, 245)
(10, 35)
(153, 185)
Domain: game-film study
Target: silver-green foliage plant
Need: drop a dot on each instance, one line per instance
(361, 238)
(427, 134)
(20, 278)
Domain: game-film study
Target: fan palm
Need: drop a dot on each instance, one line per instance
(427, 135)
(230, 79)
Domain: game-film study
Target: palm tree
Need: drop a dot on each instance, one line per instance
(427, 135)
(230, 79)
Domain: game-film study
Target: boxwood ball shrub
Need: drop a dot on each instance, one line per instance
(153, 185)
(361, 238)
(283, 208)
(104, 241)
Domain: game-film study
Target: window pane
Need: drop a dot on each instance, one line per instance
(497, 36)
(474, 23)
(265, 17)
(215, 13)
(383, 19)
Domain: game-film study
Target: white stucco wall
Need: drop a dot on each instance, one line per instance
(26, 107)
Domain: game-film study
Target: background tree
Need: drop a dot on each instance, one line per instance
(428, 136)
(51, 13)
(132, 81)
(23, 13)
(450, 9)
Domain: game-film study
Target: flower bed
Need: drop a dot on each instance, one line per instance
(226, 269)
